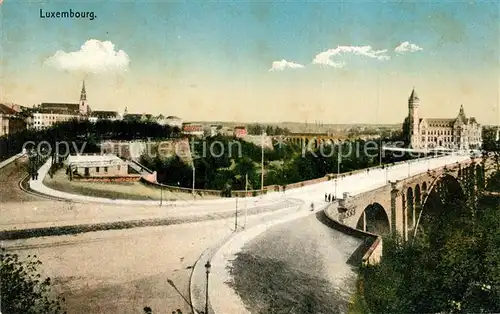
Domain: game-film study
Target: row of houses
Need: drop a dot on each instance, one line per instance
(198, 130)
(15, 118)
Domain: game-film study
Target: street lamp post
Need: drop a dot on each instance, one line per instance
(246, 193)
(336, 188)
(194, 175)
(380, 154)
(161, 195)
(236, 216)
(338, 172)
(262, 166)
(207, 267)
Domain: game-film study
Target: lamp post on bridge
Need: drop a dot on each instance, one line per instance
(381, 152)
(338, 173)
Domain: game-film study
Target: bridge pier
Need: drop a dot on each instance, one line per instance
(364, 221)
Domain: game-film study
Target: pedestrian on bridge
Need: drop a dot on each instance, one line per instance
(326, 198)
(329, 198)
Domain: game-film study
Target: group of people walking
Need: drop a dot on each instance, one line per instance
(329, 197)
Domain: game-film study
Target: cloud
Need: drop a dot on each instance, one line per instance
(283, 64)
(407, 47)
(325, 57)
(94, 56)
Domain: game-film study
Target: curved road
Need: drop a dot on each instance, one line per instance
(10, 175)
(306, 265)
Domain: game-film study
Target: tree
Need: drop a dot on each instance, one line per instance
(22, 290)
(405, 135)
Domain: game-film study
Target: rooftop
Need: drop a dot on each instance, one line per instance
(4, 109)
(81, 159)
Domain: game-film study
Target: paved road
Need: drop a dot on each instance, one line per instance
(10, 175)
(303, 257)
(121, 271)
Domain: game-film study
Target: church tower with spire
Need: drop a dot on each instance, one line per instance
(83, 101)
(414, 119)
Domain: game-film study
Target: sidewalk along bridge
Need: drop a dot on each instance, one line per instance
(437, 151)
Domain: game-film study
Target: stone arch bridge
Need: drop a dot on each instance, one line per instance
(396, 206)
(312, 140)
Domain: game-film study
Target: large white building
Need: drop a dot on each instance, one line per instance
(455, 133)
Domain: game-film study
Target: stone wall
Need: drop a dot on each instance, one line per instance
(130, 178)
(372, 243)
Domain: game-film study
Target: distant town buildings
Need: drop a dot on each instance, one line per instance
(214, 130)
(10, 123)
(240, 131)
(193, 129)
(172, 121)
(456, 133)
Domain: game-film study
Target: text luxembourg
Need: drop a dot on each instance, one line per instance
(67, 14)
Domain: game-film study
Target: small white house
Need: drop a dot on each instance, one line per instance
(97, 166)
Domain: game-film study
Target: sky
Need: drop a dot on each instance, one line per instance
(256, 61)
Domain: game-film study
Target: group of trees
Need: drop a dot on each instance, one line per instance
(257, 129)
(80, 132)
(222, 168)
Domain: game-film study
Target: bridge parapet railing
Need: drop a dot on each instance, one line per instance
(372, 243)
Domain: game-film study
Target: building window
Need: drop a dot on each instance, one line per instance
(105, 169)
(118, 167)
(87, 173)
(96, 169)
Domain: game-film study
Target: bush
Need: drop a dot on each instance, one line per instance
(23, 291)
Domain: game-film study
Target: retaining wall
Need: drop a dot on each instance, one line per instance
(111, 179)
(372, 245)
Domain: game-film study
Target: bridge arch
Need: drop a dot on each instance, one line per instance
(410, 208)
(417, 204)
(374, 219)
(480, 176)
(444, 188)
(424, 187)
